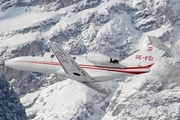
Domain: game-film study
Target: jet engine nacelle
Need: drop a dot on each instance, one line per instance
(100, 59)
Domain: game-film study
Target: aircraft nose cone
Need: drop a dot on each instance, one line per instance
(9, 63)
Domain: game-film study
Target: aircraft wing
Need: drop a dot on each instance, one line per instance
(95, 86)
(73, 70)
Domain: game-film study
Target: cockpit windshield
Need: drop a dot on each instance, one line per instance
(40, 54)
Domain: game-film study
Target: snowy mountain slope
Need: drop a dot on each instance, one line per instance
(156, 97)
(66, 100)
(115, 28)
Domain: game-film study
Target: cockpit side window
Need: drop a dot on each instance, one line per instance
(40, 54)
(74, 58)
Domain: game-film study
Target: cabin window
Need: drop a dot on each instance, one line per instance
(52, 56)
(74, 58)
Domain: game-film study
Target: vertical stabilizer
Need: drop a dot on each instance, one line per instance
(150, 54)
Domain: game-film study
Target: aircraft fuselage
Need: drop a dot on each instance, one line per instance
(48, 63)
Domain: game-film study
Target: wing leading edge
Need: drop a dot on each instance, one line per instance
(73, 70)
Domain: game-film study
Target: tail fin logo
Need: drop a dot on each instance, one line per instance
(150, 48)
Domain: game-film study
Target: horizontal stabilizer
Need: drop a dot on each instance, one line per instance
(154, 41)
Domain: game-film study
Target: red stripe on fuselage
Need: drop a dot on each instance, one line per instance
(133, 67)
(117, 70)
(106, 68)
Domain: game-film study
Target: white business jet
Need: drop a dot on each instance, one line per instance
(94, 67)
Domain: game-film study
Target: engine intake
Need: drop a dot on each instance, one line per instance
(99, 59)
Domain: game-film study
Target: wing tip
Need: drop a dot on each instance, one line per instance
(105, 92)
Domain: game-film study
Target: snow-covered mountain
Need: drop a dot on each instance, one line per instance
(116, 28)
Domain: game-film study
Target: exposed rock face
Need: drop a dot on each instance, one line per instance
(10, 106)
(150, 15)
(57, 4)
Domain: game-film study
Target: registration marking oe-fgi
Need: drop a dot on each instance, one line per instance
(147, 58)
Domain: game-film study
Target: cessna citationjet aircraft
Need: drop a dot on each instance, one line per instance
(94, 67)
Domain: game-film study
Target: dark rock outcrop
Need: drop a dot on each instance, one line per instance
(10, 106)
